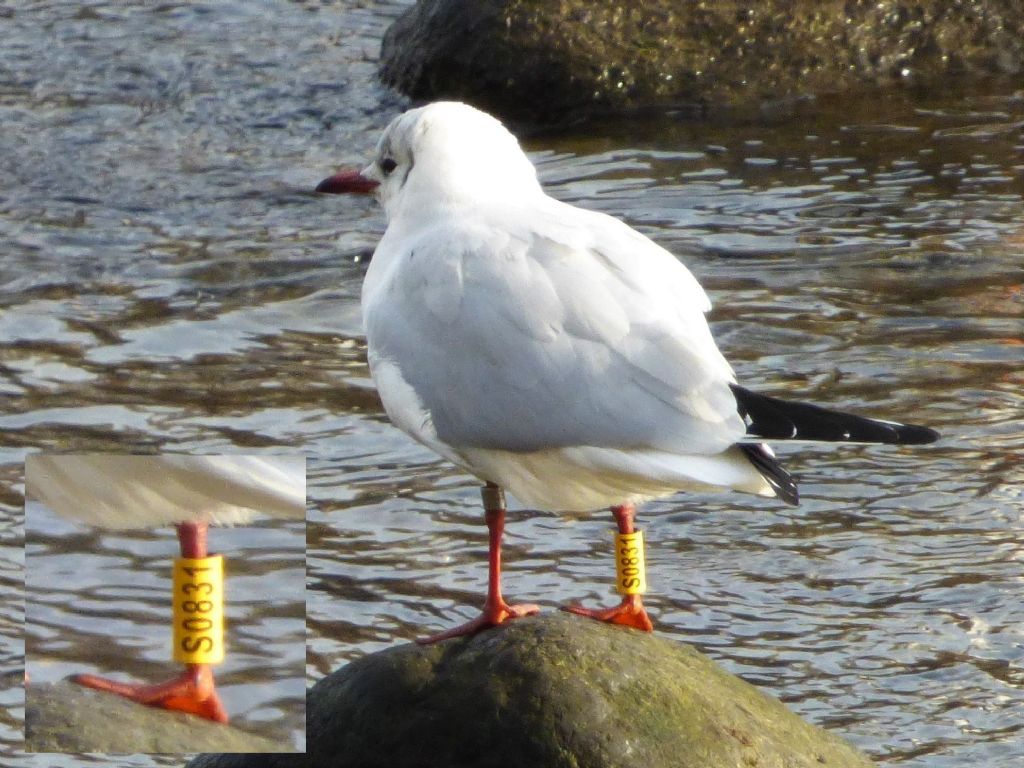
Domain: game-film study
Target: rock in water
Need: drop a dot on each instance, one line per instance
(558, 690)
(541, 61)
(547, 692)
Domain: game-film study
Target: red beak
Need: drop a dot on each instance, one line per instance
(347, 182)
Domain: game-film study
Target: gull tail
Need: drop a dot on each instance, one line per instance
(775, 419)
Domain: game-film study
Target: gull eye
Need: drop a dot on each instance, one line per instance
(388, 165)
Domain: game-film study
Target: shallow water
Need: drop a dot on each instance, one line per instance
(170, 283)
(162, 280)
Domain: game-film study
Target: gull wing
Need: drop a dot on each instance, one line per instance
(566, 329)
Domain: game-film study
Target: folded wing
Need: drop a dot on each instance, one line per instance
(572, 331)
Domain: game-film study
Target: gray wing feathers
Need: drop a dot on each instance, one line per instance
(560, 341)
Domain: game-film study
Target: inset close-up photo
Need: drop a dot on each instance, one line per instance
(165, 603)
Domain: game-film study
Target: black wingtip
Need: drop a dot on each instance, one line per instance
(913, 434)
(776, 419)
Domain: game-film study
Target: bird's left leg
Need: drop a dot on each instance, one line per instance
(496, 610)
(630, 612)
(192, 691)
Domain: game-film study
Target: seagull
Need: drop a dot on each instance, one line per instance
(554, 351)
(118, 491)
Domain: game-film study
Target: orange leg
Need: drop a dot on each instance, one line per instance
(193, 690)
(630, 612)
(496, 610)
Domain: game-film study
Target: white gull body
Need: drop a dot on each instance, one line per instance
(548, 349)
(128, 491)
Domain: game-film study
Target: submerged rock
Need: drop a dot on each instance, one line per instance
(538, 60)
(64, 717)
(551, 691)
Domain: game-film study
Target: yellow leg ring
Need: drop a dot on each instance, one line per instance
(630, 569)
(198, 601)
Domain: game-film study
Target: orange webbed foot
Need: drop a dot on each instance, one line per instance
(630, 613)
(491, 616)
(192, 692)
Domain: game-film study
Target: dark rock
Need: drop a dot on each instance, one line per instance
(541, 60)
(254, 761)
(64, 717)
(551, 691)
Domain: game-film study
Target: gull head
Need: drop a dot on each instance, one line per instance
(445, 154)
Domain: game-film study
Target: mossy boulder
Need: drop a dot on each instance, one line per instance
(540, 61)
(552, 691)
